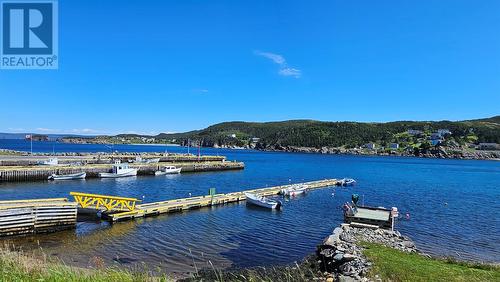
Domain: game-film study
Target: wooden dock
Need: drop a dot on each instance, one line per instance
(177, 205)
(29, 173)
(36, 216)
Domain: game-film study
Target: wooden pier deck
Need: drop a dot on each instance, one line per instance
(177, 205)
(36, 216)
(29, 173)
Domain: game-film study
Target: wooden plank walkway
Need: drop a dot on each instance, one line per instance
(17, 173)
(177, 205)
(36, 216)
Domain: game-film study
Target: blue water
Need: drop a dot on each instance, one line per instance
(453, 206)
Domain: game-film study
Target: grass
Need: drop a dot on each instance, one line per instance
(393, 265)
(305, 271)
(15, 266)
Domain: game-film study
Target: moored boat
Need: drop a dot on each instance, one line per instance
(168, 170)
(139, 159)
(72, 176)
(262, 201)
(347, 182)
(294, 190)
(119, 170)
(51, 161)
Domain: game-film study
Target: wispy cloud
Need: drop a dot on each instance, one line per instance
(46, 130)
(278, 59)
(85, 131)
(290, 72)
(17, 129)
(201, 90)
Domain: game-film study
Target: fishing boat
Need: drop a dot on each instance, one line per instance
(119, 170)
(294, 190)
(146, 161)
(169, 170)
(262, 201)
(51, 161)
(79, 175)
(347, 182)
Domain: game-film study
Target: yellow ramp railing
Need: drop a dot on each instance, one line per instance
(109, 203)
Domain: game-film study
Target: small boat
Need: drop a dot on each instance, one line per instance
(119, 170)
(139, 159)
(80, 175)
(51, 161)
(346, 182)
(294, 190)
(168, 170)
(262, 201)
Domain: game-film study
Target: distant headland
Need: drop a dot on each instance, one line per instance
(469, 139)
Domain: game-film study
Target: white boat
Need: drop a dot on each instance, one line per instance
(347, 182)
(262, 201)
(168, 170)
(80, 175)
(119, 170)
(51, 161)
(139, 159)
(294, 190)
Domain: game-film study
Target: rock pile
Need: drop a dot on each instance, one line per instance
(342, 256)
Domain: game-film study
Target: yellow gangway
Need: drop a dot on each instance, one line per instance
(104, 202)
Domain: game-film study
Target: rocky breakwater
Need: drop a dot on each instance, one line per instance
(341, 255)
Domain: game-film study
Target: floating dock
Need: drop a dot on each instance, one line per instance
(29, 173)
(36, 216)
(50, 215)
(116, 208)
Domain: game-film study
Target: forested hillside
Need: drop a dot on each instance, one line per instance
(309, 133)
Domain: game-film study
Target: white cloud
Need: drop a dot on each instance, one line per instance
(85, 131)
(290, 72)
(18, 129)
(278, 59)
(201, 90)
(47, 130)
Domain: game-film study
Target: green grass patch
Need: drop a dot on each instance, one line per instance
(394, 265)
(16, 266)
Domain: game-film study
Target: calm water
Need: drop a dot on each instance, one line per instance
(453, 205)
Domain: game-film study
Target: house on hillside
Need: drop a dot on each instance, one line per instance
(415, 132)
(394, 146)
(254, 140)
(443, 132)
(370, 146)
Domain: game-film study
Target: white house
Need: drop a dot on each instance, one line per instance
(371, 146)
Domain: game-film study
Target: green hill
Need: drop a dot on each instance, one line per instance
(310, 133)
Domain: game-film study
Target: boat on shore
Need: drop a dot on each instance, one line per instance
(294, 190)
(119, 170)
(72, 176)
(169, 170)
(51, 161)
(146, 161)
(261, 201)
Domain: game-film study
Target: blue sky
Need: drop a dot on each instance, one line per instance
(171, 66)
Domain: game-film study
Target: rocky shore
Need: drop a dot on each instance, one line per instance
(341, 257)
(438, 152)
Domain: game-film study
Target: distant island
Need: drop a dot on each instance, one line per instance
(470, 139)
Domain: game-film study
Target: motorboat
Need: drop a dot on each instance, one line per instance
(169, 170)
(79, 175)
(347, 182)
(119, 170)
(51, 161)
(262, 201)
(294, 190)
(139, 159)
